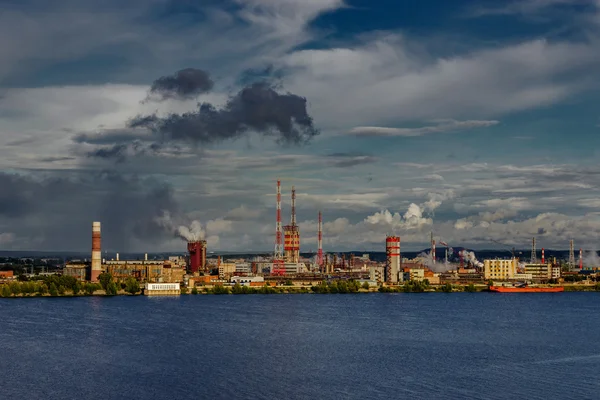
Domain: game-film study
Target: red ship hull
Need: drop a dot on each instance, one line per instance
(512, 289)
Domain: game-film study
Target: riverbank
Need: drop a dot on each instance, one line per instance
(324, 288)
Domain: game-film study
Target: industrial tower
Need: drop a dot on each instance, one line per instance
(392, 264)
(278, 264)
(432, 248)
(320, 242)
(571, 255)
(96, 269)
(292, 235)
(533, 252)
(580, 258)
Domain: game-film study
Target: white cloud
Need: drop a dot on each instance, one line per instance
(445, 126)
(402, 84)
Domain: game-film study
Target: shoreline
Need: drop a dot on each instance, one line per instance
(321, 289)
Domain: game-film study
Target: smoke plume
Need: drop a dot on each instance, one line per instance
(470, 256)
(190, 233)
(591, 259)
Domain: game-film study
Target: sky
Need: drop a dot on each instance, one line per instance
(475, 120)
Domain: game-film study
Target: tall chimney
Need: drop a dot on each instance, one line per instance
(543, 257)
(96, 252)
(145, 256)
(117, 256)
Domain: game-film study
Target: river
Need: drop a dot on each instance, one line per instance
(362, 346)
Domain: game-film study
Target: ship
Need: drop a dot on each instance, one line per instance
(524, 288)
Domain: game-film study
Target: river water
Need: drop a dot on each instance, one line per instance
(364, 346)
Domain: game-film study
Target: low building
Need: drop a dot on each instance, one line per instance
(243, 268)
(556, 271)
(499, 269)
(292, 268)
(226, 269)
(539, 272)
(144, 271)
(171, 273)
(162, 289)
(7, 275)
(248, 280)
(78, 270)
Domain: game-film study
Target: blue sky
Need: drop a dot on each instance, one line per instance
(476, 120)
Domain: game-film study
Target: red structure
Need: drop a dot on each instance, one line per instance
(580, 259)
(543, 257)
(291, 235)
(278, 264)
(197, 252)
(320, 242)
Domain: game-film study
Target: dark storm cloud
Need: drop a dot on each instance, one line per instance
(185, 84)
(345, 160)
(255, 108)
(59, 211)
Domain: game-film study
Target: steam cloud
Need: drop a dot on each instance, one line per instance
(190, 233)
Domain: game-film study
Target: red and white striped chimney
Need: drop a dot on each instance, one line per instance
(543, 257)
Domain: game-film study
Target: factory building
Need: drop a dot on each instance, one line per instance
(197, 251)
(539, 272)
(377, 274)
(226, 269)
(392, 265)
(77, 269)
(292, 268)
(500, 269)
(96, 269)
(146, 270)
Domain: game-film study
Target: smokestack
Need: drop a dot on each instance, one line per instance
(197, 250)
(543, 257)
(320, 242)
(392, 265)
(580, 259)
(145, 256)
(96, 252)
(117, 256)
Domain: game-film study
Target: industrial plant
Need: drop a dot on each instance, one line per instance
(287, 265)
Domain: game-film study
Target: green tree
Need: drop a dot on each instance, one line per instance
(194, 290)
(76, 288)
(132, 286)
(470, 288)
(365, 285)
(6, 292)
(42, 289)
(105, 278)
(111, 288)
(237, 289)
(53, 290)
(184, 290)
(61, 290)
(447, 288)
